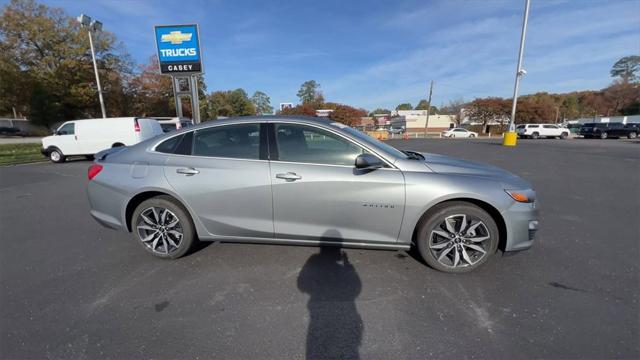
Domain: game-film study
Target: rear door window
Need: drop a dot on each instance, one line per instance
(240, 141)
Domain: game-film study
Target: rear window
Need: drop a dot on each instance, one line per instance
(521, 126)
(532, 126)
(241, 141)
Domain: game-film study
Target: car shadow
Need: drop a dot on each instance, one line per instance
(335, 326)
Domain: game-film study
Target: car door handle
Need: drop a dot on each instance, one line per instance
(188, 171)
(290, 176)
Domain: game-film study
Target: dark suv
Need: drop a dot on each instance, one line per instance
(609, 130)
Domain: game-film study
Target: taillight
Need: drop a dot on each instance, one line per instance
(93, 171)
(136, 126)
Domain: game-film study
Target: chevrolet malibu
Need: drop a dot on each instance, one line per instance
(308, 181)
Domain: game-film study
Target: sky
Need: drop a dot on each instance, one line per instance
(374, 54)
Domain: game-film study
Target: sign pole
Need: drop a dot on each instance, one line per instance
(195, 99)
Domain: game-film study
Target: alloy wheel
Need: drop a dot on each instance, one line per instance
(459, 241)
(160, 230)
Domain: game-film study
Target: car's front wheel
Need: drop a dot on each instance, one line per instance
(632, 135)
(457, 237)
(564, 135)
(163, 227)
(56, 156)
(535, 135)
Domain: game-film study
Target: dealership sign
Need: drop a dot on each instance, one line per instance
(179, 49)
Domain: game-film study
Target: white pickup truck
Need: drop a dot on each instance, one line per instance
(535, 131)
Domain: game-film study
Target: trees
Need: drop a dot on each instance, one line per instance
(346, 114)
(300, 109)
(262, 103)
(380, 111)
(404, 106)
(422, 105)
(309, 92)
(46, 66)
(488, 110)
(454, 107)
(627, 69)
(230, 103)
(151, 92)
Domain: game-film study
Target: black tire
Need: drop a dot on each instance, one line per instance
(535, 135)
(185, 224)
(472, 135)
(632, 135)
(604, 135)
(56, 156)
(434, 220)
(89, 157)
(564, 135)
(117, 145)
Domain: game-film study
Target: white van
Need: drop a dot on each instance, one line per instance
(173, 123)
(87, 137)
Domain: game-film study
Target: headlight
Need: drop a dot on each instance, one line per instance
(523, 196)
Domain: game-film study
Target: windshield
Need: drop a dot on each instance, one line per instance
(373, 142)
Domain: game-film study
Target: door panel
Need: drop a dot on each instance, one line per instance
(67, 140)
(231, 197)
(360, 207)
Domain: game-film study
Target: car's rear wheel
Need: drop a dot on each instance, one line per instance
(457, 237)
(163, 227)
(535, 135)
(472, 135)
(632, 135)
(604, 135)
(564, 135)
(56, 156)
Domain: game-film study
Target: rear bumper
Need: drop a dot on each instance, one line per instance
(521, 221)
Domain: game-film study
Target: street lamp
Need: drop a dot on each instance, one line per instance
(93, 26)
(510, 137)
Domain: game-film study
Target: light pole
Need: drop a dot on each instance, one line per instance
(511, 137)
(93, 26)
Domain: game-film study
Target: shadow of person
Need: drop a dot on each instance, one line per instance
(335, 326)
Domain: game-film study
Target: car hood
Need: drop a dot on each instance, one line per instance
(451, 165)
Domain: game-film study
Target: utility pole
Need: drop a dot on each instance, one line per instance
(426, 123)
(511, 137)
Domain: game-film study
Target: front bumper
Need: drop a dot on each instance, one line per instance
(521, 221)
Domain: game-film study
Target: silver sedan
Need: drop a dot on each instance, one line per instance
(308, 181)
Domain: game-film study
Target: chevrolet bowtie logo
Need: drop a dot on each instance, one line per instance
(176, 37)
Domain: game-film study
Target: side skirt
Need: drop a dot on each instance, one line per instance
(345, 244)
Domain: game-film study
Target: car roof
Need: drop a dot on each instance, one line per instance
(312, 120)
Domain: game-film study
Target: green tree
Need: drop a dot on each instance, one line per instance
(422, 105)
(46, 60)
(262, 103)
(309, 92)
(627, 68)
(380, 111)
(404, 106)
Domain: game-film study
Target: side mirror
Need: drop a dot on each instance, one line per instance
(368, 162)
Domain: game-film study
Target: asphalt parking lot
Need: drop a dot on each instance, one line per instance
(72, 289)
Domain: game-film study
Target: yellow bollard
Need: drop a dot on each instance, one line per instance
(510, 138)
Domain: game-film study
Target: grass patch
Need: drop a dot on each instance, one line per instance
(20, 153)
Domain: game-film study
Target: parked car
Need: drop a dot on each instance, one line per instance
(459, 133)
(173, 123)
(308, 181)
(396, 130)
(535, 131)
(609, 130)
(11, 131)
(87, 137)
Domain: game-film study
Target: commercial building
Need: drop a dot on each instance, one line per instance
(415, 120)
